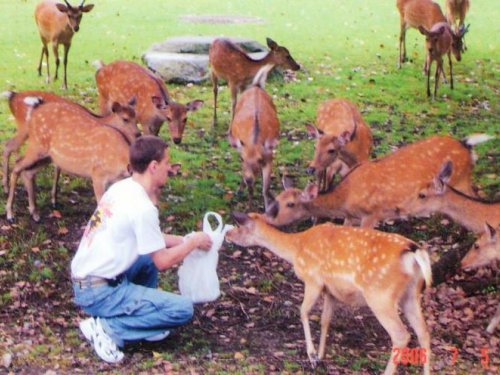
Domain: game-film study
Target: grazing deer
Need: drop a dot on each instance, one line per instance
(380, 189)
(231, 63)
(456, 10)
(426, 14)
(484, 251)
(352, 265)
(254, 133)
(342, 140)
(119, 80)
(470, 212)
(76, 142)
(122, 115)
(56, 24)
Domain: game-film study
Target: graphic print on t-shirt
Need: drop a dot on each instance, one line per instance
(98, 221)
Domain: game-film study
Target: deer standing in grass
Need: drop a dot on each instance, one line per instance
(119, 80)
(121, 116)
(231, 63)
(56, 24)
(254, 132)
(484, 251)
(380, 189)
(343, 139)
(355, 266)
(470, 212)
(76, 142)
(426, 14)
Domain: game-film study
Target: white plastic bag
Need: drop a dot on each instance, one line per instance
(198, 273)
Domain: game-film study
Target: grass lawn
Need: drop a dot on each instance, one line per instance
(347, 49)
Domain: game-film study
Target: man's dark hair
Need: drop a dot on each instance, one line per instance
(144, 150)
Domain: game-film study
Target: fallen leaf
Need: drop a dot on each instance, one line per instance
(63, 230)
(56, 214)
(238, 355)
(35, 249)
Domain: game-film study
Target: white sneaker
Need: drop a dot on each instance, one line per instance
(158, 337)
(103, 345)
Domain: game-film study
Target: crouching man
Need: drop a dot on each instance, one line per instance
(115, 269)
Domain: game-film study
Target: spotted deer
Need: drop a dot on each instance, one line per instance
(439, 197)
(231, 63)
(484, 251)
(74, 141)
(355, 266)
(343, 139)
(57, 24)
(425, 14)
(380, 189)
(119, 80)
(254, 132)
(122, 115)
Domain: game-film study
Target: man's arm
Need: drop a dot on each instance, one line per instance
(166, 258)
(172, 240)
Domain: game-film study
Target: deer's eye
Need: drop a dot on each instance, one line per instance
(290, 204)
(421, 195)
(332, 151)
(476, 246)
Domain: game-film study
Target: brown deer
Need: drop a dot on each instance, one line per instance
(355, 266)
(231, 63)
(484, 251)
(56, 24)
(470, 212)
(76, 142)
(426, 14)
(119, 80)
(380, 189)
(254, 132)
(343, 139)
(122, 115)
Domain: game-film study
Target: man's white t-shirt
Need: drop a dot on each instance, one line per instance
(124, 226)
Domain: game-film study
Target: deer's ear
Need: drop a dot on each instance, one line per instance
(423, 30)
(287, 182)
(158, 102)
(87, 8)
(491, 232)
(310, 192)
(271, 43)
(240, 218)
(194, 105)
(133, 101)
(312, 130)
(62, 8)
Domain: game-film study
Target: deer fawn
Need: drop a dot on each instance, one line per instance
(254, 133)
(485, 250)
(231, 63)
(56, 24)
(342, 140)
(75, 142)
(470, 212)
(352, 265)
(380, 189)
(120, 80)
(121, 115)
(426, 14)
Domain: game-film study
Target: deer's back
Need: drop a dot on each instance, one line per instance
(230, 62)
(422, 13)
(20, 109)
(255, 108)
(120, 80)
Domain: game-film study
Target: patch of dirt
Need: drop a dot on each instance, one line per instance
(221, 19)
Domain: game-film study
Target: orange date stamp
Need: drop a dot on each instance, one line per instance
(419, 356)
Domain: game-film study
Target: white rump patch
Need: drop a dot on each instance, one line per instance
(98, 64)
(475, 139)
(8, 94)
(32, 101)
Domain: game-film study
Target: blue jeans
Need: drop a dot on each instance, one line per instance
(134, 309)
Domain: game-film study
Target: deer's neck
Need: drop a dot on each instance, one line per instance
(329, 204)
(284, 245)
(469, 212)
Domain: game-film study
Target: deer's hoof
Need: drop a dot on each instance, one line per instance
(314, 360)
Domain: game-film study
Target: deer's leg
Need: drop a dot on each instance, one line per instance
(311, 294)
(55, 52)
(413, 313)
(66, 51)
(55, 182)
(266, 183)
(99, 183)
(12, 145)
(385, 310)
(215, 85)
(234, 95)
(32, 156)
(402, 43)
(45, 51)
(451, 70)
(28, 176)
(326, 317)
(439, 67)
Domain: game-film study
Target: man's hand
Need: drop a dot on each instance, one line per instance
(200, 240)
